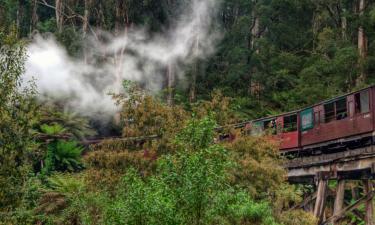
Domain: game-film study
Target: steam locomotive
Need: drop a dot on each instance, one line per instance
(344, 122)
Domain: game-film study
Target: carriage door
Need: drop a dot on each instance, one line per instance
(318, 118)
(351, 110)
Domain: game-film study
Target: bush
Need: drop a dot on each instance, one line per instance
(63, 156)
(17, 116)
(190, 187)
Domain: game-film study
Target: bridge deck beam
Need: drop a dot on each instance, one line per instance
(351, 164)
(357, 164)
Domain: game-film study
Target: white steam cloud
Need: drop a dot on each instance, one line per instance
(83, 84)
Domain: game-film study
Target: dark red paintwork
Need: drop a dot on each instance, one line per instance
(288, 140)
(354, 124)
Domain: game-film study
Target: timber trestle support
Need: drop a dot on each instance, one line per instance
(353, 172)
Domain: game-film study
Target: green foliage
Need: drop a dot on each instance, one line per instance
(190, 187)
(297, 217)
(55, 121)
(47, 25)
(300, 49)
(63, 156)
(259, 165)
(55, 153)
(55, 129)
(144, 115)
(17, 116)
(65, 200)
(198, 134)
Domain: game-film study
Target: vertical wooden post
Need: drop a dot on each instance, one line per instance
(339, 200)
(369, 217)
(320, 199)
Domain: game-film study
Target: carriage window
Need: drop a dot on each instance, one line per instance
(362, 102)
(270, 126)
(257, 128)
(307, 119)
(290, 123)
(341, 110)
(329, 112)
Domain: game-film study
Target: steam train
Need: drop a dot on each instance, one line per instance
(344, 122)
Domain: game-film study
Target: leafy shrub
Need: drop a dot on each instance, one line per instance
(259, 165)
(63, 156)
(53, 129)
(297, 217)
(190, 187)
(17, 116)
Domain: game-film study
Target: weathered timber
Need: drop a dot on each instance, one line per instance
(339, 199)
(369, 210)
(356, 212)
(306, 201)
(351, 164)
(48, 137)
(355, 205)
(319, 160)
(305, 204)
(98, 142)
(320, 199)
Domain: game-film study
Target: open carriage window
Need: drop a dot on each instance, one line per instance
(290, 123)
(329, 112)
(270, 126)
(336, 110)
(341, 109)
(362, 102)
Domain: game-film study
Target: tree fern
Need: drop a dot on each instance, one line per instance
(63, 156)
(53, 129)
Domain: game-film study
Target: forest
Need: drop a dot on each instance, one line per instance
(109, 109)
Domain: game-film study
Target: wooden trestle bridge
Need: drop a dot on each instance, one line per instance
(353, 166)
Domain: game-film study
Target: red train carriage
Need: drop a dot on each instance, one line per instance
(340, 123)
(285, 128)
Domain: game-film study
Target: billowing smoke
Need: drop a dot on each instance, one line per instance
(83, 84)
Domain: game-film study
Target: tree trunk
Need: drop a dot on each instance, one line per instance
(34, 15)
(118, 17)
(192, 94)
(100, 21)
(170, 84)
(362, 39)
(85, 26)
(20, 15)
(254, 35)
(344, 25)
(86, 17)
(362, 45)
(121, 27)
(59, 14)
